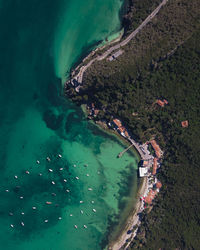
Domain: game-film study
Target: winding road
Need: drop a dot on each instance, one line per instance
(79, 76)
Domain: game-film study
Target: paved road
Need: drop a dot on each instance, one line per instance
(79, 76)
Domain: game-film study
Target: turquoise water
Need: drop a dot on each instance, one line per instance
(88, 185)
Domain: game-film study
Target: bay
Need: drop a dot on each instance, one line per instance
(88, 185)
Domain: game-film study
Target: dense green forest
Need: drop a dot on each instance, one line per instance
(128, 89)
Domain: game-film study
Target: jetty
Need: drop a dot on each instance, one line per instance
(124, 151)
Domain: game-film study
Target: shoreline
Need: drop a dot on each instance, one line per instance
(147, 182)
(119, 240)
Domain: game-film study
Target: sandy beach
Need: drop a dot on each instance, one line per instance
(132, 220)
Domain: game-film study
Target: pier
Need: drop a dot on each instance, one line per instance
(124, 151)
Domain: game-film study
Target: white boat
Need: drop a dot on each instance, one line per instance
(81, 211)
(60, 156)
(38, 162)
(48, 159)
(16, 176)
(34, 208)
(71, 215)
(40, 174)
(53, 182)
(61, 169)
(22, 223)
(84, 226)
(67, 190)
(89, 189)
(92, 202)
(74, 165)
(21, 197)
(81, 201)
(50, 170)
(12, 225)
(11, 214)
(87, 175)
(77, 177)
(94, 210)
(75, 226)
(60, 218)
(65, 180)
(22, 213)
(27, 172)
(7, 190)
(46, 221)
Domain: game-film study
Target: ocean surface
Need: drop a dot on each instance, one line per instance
(49, 152)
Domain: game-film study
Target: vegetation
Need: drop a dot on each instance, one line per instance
(162, 62)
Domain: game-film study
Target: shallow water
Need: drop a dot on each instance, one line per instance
(37, 122)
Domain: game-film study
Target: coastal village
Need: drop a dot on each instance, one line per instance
(147, 168)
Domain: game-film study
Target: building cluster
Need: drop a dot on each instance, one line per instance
(93, 112)
(120, 128)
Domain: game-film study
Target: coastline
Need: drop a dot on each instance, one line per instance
(132, 219)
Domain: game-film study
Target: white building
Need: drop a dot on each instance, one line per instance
(143, 172)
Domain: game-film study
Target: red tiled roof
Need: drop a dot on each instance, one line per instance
(159, 184)
(117, 122)
(156, 148)
(155, 162)
(184, 124)
(151, 195)
(160, 103)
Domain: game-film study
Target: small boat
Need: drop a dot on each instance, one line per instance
(48, 159)
(16, 176)
(22, 213)
(22, 223)
(40, 174)
(50, 170)
(38, 162)
(61, 169)
(11, 214)
(67, 190)
(81, 211)
(87, 175)
(60, 156)
(84, 226)
(27, 172)
(74, 165)
(94, 210)
(81, 201)
(12, 225)
(75, 226)
(98, 172)
(92, 202)
(7, 190)
(53, 182)
(77, 177)
(71, 215)
(54, 194)
(21, 197)
(34, 208)
(48, 202)
(46, 221)
(65, 180)
(89, 189)
(60, 218)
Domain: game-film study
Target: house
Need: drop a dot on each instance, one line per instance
(156, 148)
(151, 195)
(184, 124)
(160, 103)
(155, 165)
(117, 123)
(158, 185)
